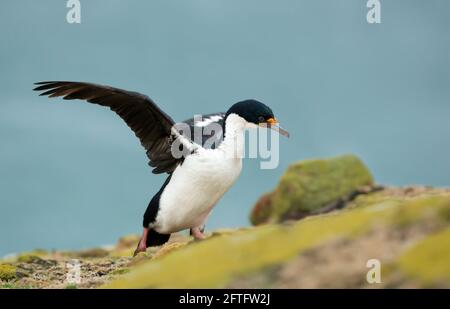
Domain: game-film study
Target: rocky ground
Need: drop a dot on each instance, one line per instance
(42, 269)
(314, 231)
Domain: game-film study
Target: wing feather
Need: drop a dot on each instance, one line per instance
(150, 124)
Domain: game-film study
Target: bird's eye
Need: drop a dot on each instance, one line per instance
(261, 119)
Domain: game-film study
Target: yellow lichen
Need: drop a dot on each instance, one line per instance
(28, 258)
(169, 248)
(126, 252)
(429, 260)
(214, 262)
(310, 185)
(7, 272)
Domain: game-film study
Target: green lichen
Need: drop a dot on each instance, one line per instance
(310, 185)
(216, 261)
(28, 258)
(7, 272)
(429, 260)
(117, 253)
(71, 286)
(15, 286)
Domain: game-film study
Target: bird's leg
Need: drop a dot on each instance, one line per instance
(197, 233)
(142, 245)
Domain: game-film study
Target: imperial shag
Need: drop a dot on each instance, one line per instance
(198, 178)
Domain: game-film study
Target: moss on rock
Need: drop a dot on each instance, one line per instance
(7, 272)
(405, 228)
(310, 185)
(29, 258)
(429, 260)
(217, 261)
(167, 248)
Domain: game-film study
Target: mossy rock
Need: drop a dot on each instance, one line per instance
(218, 261)
(92, 253)
(429, 260)
(29, 258)
(7, 272)
(308, 186)
(168, 248)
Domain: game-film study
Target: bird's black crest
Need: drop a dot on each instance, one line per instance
(251, 110)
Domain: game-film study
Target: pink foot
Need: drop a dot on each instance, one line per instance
(197, 233)
(142, 245)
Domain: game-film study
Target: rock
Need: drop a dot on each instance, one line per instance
(406, 229)
(399, 227)
(310, 187)
(167, 248)
(29, 258)
(416, 261)
(92, 253)
(120, 271)
(263, 210)
(7, 272)
(139, 258)
(33, 259)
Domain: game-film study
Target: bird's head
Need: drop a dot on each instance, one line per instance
(255, 114)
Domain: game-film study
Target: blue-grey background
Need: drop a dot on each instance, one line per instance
(72, 175)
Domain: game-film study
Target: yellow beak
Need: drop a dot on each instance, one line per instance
(273, 124)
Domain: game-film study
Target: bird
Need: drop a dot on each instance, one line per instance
(198, 177)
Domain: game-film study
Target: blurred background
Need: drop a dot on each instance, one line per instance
(72, 175)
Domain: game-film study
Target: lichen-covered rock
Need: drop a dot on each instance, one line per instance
(406, 229)
(7, 272)
(328, 250)
(429, 260)
(167, 248)
(311, 185)
(91, 253)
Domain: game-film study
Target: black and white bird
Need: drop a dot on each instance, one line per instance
(198, 178)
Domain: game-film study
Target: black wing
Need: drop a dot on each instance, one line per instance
(210, 129)
(151, 125)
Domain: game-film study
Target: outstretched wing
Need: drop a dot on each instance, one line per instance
(151, 125)
(208, 130)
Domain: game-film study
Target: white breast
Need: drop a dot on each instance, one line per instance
(202, 179)
(194, 189)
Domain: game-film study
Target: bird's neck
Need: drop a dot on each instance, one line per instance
(233, 143)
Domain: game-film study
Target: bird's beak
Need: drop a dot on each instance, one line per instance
(273, 124)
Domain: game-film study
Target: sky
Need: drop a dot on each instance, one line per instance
(72, 175)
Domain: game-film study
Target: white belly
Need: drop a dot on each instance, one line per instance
(194, 189)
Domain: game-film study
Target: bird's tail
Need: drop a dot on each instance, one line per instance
(156, 239)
